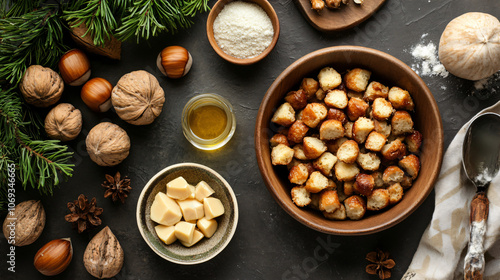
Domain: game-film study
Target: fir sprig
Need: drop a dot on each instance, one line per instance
(18, 7)
(33, 38)
(101, 17)
(39, 163)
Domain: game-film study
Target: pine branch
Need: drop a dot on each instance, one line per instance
(39, 163)
(101, 17)
(148, 18)
(18, 7)
(33, 38)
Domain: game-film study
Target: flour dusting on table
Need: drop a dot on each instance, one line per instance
(427, 60)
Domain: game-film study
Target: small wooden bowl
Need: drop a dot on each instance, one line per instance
(207, 248)
(210, 31)
(385, 69)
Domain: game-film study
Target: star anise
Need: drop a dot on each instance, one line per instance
(380, 265)
(84, 214)
(117, 188)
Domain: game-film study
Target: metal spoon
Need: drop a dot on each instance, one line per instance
(481, 162)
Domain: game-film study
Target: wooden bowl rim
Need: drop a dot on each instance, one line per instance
(326, 226)
(214, 12)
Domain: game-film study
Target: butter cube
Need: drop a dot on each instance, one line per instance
(213, 207)
(184, 231)
(178, 188)
(193, 192)
(191, 209)
(197, 236)
(203, 190)
(166, 233)
(165, 210)
(207, 227)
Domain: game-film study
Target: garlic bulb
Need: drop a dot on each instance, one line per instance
(470, 46)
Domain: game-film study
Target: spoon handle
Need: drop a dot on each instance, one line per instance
(474, 260)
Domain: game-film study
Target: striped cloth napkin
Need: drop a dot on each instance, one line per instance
(441, 252)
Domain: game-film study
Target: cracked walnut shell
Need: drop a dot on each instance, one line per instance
(138, 98)
(41, 86)
(107, 144)
(63, 122)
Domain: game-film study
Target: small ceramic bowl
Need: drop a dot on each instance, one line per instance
(389, 71)
(207, 248)
(214, 12)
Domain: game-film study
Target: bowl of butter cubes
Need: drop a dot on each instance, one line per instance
(187, 213)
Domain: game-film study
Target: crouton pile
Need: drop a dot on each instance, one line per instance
(349, 143)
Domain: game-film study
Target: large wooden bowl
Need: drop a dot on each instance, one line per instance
(214, 12)
(385, 69)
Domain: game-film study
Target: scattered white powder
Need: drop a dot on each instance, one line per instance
(243, 30)
(427, 60)
(490, 83)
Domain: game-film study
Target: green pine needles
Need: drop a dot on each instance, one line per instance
(39, 163)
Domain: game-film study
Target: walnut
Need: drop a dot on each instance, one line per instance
(63, 122)
(107, 144)
(41, 86)
(138, 98)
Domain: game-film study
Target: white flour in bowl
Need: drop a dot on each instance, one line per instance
(243, 30)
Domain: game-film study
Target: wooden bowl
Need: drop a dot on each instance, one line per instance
(385, 69)
(205, 249)
(210, 31)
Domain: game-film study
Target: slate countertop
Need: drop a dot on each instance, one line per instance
(268, 243)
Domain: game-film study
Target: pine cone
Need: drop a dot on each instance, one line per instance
(117, 188)
(84, 214)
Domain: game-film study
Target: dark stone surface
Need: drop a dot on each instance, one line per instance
(268, 243)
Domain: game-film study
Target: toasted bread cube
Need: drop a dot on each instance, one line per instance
(331, 130)
(329, 201)
(357, 79)
(368, 161)
(313, 114)
(407, 182)
(378, 200)
(300, 196)
(346, 171)
(316, 182)
(382, 127)
(298, 152)
(378, 179)
(339, 214)
(375, 90)
(313, 147)
(333, 146)
(297, 99)
(354, 94)
(297, 131)
(414, 141)
(341, 193)
(329, 78)
(355, 207)
(348, 151)
(336, 98)
(361, 128)
(395, 193)
(320, 94)
(410, 164)
(400, 99)
(281, 155)
(356, 108)
(310, 167)
(293, 163)
(375, 141)
(393, 174)
(278, 139)
(298, 174)
(284, 115)
(364, 184)
(331, 185)
(401, 123)
(325, 163)
(349, 188)
(348, 129)
(310, 86)
(393, 150)
(314, 201)
(336, 114)
(382, 109)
